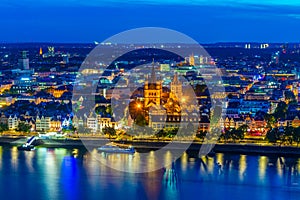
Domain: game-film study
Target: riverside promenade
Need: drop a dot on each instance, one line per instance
(241, 148)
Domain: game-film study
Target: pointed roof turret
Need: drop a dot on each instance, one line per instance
(153, 76)
(175, 79)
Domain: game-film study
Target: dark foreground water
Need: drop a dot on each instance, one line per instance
(74, 174)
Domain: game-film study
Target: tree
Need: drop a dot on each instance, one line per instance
(104, 110)
(100, 110)
(273, 135)
(271, 121)
(227, 135)
(71, 128)
(160, 133)
(201, 135)
(234, 134)
(170, 133)
(109, 131)
(3, 127)
(108, 110)
(296, 136)
(140, 120)
(167, 133)
(281, 110)
(23, 127)
(287, 136)
(243, 128)
(289, 96)
(237, 134)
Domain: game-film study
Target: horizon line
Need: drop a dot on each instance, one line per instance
(201, 43)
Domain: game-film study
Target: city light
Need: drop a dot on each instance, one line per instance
(150, 113)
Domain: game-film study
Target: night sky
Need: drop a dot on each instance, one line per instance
(204, 20)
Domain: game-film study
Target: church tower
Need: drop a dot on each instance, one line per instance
(152, 90)
(176, 88)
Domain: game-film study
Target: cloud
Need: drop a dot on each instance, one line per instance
(296, 16)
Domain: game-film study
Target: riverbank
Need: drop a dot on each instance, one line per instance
(92, 142)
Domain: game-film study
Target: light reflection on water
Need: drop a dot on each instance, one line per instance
(0, 157)
(14, 158)
(77, 174)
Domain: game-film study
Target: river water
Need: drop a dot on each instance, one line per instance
(60, 173)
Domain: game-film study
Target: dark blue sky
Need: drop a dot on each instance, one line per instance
(205, 21)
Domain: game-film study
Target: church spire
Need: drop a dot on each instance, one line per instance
(176, 81)
(153, 77)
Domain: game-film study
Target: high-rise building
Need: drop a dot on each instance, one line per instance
(51, 51)
(24, 61)
(247, 46)
(264, 46)
(65, 58)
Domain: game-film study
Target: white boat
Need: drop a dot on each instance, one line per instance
(28, 145)
(115, 148)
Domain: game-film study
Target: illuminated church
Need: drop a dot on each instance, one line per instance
(170, 113)
(152, 90)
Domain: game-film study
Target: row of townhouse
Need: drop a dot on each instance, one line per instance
(94, 122)
(45, 123)
(255, 125)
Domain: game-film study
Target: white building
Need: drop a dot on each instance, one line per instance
(42, 123)
(77, 122)
(92, 122)
(67, 122)
(13, 122)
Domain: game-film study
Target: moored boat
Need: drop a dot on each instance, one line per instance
(114, 148)
(26, 147)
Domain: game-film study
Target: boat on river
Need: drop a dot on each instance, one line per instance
(25, 147)
(28, 146)
(116, 148)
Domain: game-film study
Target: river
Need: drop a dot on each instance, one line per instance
(60, 173)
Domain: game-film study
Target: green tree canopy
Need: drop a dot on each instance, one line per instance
(3, 127)
(23, 127)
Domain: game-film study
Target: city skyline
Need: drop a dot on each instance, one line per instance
(105, 98)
